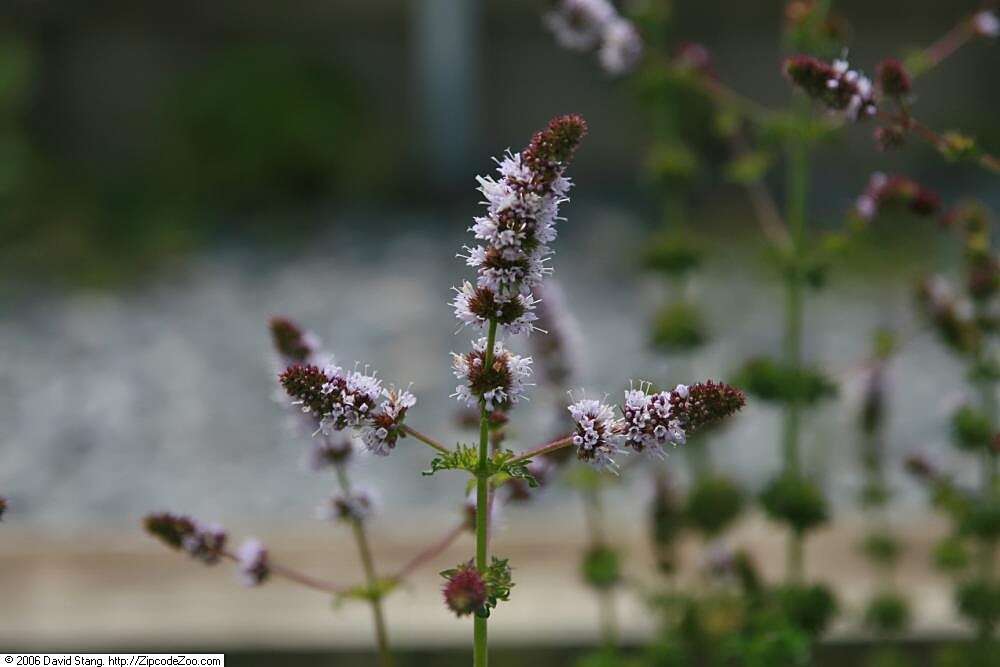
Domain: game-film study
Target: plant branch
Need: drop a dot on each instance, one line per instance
(431, 552)
(295, 576)
(427, 440)
(547, 448)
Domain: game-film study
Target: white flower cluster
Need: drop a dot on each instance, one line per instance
(474, 304)
(253, 563)
(352, 396)
(382, 429)
(338, 399)
(515, 234)
(586, 25)
(597, 433)
(503, 383)
(649, 422)
(859, 86)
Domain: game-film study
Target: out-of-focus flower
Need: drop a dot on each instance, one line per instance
(204, 542)
(921, 467)
(330, 450)
(889, 137)
(578, 25)
(694, 57)
(501, 384)
(555, 354)
(356, 506)
(597, 433)
(892, 77)
(621, 47)
(253, 563)
(3, 507)
(885, 191)
(986, 24)
(541, 469)
(293, 344)
(589, 25)
(834, 84)
(465, 590)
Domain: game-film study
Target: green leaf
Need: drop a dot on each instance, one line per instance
(463, 457)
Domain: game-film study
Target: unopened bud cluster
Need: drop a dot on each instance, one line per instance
(834, 84)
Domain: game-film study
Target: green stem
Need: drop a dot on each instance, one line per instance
(797, 186)
(371, 578)
(594, 515)
(481, 654)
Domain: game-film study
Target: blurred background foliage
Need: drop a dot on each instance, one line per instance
(133, 133)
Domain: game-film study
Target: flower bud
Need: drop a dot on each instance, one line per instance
(204, 542)
(465, 591)
(892, 78)
(292, 343)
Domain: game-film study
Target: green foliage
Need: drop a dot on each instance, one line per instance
(951, 554)
(888, 657)
(979, 601)
(713, 503)
(775, 381)
(971, 428)
(463, 457)
(887, 613)
(809, 608)
(499, 467)
(672, 254)
(981, 520)
(679, 327)
(795, 500)
(672, 163)
(881, 548)
(601, 567)
(364, 593)
(750, 167)
(498, 582)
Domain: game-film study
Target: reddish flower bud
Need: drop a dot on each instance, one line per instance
(551, 149)
(920, 467)
(293, 344)
(834, 84)
(695, 57)
(204, 542)
(892, 78)
(465, 592)
(706, 403)
(889, 137)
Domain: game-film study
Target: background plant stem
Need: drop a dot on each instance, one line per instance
(371, 578)
(797, 191)
(481, 653)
